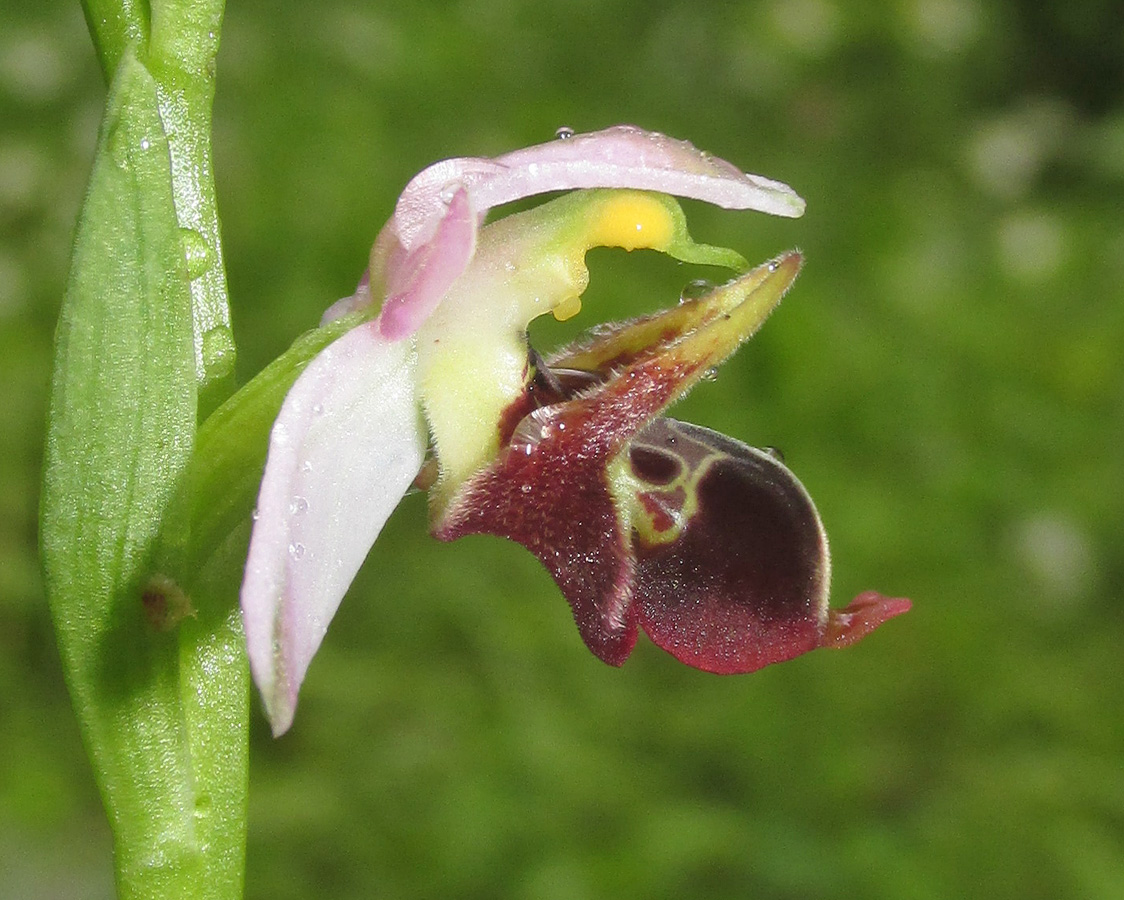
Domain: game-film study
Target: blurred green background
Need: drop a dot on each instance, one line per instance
(945, 378)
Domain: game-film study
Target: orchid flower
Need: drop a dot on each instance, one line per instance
(712, 547)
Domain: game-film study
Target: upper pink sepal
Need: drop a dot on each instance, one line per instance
(627, 156)
(343, 451)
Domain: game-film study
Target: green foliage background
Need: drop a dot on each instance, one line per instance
(945, 378)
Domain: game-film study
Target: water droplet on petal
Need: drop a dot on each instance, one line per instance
(297, 506)
(772, 267)
(531, 431)
(296, 550)
(525, 488)
(256, 514)
(318, 409)
(564, 133)
(710, 374)
(306, 466)
(774, 452)
(700, 287)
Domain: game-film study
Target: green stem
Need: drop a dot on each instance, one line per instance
(155, 659)
(178, 41)
(182, 49)
(114, 25)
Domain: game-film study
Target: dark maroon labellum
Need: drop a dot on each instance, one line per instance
(712, 546)
(652, 465)
(744, 583)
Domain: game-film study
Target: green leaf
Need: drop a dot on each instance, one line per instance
(161, 702)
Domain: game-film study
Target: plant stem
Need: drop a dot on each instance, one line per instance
(178, 41)
(155, 660)
(182, 50)
(114, 25)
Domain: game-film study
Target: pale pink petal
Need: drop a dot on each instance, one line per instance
(346, 446)
(619, 157)
(418, 281)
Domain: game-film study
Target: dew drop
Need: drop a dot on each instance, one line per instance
(525, 488)
(145, 143)
(204, 808)
(564, 133)
(318, 409)
(218, 352)
(693, 290)
(710, 374)
(774, 452)
(256, 514)
(772, 267)
(297, 506)
(531, 431)
(196, 251)
(306, 466)
(296, 550)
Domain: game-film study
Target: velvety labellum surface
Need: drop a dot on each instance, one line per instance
(743, 580)
(713, 547)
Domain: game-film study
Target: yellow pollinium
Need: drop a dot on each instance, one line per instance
(626, 219)
(632, 221)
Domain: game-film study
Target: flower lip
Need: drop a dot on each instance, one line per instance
(712, 548)
(549, 489)
(866, 612)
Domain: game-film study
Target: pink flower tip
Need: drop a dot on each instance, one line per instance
(866, 612)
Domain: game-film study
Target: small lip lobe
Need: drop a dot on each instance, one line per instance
(866, 612)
